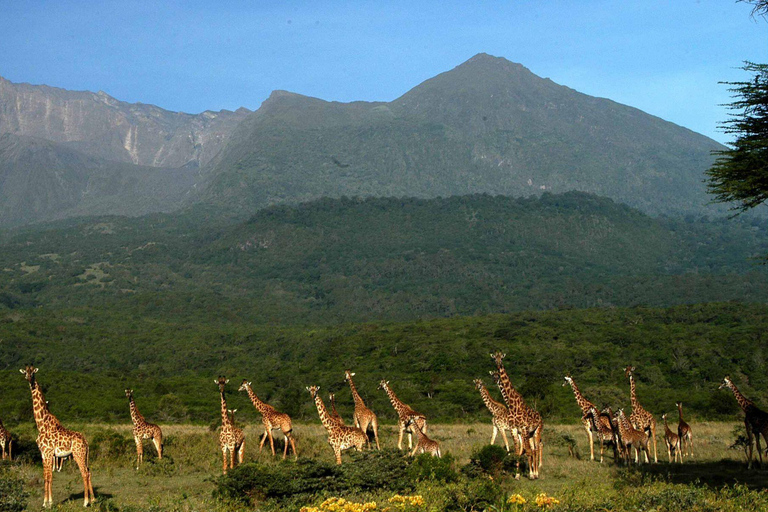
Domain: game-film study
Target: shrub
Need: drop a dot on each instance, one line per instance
(13, 498)
(491, 460)
(425, 467)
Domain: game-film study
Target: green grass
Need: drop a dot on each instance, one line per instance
(185, 481)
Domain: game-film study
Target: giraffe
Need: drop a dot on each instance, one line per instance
(340, 437)
(231, 438)
(755, 421)
(613, 421)
(592, 423)
(335, 416)
(58, 462)
(527, 420)
(632, 438)
(404, 412)
(684, 431)
(499, 412)
(5, 442)
(640, 418)
(423, 443)
(363, 416)
(54, 440)
(605, 432)
(672, 441)
(142, 429)
(272, 420)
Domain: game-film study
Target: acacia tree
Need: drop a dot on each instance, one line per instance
(740, 173)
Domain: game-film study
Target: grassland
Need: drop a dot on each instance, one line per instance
(185, 479)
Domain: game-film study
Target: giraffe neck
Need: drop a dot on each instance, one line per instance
(508, 392)
(744, 402)
(680, 411)
(262, 407)
(585, 404)
(39, 408)
(396, 403)
(355, 395)
(225, 421)
(632, 395)
(136, 417)
(623, 424)
(489, 402)
(666, 427)
(324, 418)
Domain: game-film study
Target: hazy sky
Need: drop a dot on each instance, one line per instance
(664, 57)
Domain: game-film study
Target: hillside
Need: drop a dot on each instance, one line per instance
(345, 260)
(487, 126)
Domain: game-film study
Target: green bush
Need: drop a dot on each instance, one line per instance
(13, 498)
(491, 460)
(425, 467)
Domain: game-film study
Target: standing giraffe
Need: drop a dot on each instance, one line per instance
(363, 416)
(423, 443)
(755, 421)
(684, 431)
(143, 430)
(340, 437)
(335, 416)
(54, 440)
(5, 441)
(632, 438)
(640, 418)
(499, 412)
(672, 441)
(231, 438)
(527, 420)
(598, 424)
(606, 432)
(404, 413)
(272, 420)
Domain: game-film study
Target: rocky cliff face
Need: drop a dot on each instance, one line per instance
(99, 125)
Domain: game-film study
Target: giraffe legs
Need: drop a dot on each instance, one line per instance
(48, 462)
(653, 437)
(504, 437)
(139, 451)
(400, 439)
(241, 453)
(271, 441)
(158, 446)
(759, 450)
(81, 458)
(375, 426)
(224, 459)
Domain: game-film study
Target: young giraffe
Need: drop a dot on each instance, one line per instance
(363, 416)
(54, 440)
(605, 431)
(335, 416)
(231, 438)
(613, 420)
(672, 441)
(592, 423)
(524, 417)
(5, 441)
(755, 421)
(404, 413)
(684, 431)
(499, 412)
(632, 438)
(423, 443)
(142, 429)
(640, 418)
(272, 420)
(340, 437)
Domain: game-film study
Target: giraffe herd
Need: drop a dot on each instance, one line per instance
(525, 424)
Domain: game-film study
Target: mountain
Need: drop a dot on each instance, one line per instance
(43, 180)
(101, 126)
(487, 126)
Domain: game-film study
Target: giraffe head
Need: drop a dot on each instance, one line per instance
(331, 396)
(496, 376)
(29, 372)
(384, 384)
(678, 404)
(348, 375)
(727, 383)
(568, 381)
(129, 393)
(221, 381)
(664, 416)
(244, 386)
(498, 357)
(629, 370)
(479, 383)
(313, 390)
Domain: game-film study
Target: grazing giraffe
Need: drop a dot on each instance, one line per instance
(672, 441)
(363, 416)
(340, 437)
(142, 429)
(755, 421)
(272, 420)
(527, 419)
(684, 431)
(632, 438)
(231, 438)
(5, 442)
(54, 440)
(423, 443)
(499, 413)
(640, 418)
(404, 413)
(335, 416)
(592, 423)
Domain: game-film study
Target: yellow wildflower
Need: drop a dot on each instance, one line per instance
(516, 499)
(544, 501)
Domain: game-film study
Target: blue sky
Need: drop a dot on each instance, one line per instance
(664, 57)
